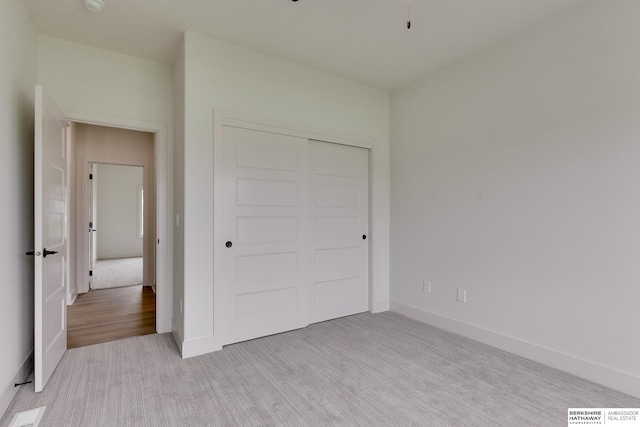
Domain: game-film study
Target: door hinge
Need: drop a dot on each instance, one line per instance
(90, 273)
(90, 176)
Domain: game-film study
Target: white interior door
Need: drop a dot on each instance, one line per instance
(339, 177)
(93, 219)
(264, 262)
(50, 229)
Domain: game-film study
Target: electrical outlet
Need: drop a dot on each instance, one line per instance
(181, 306)
(426, 286)
(462, 295)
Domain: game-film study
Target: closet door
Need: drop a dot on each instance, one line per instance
(339, 215)
(266, 245)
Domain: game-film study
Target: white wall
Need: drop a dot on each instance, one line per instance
(516, 176)
(178, 195)
(81, 78)
(17, 81)
(105, 87)
(221, 75)
(118, 210)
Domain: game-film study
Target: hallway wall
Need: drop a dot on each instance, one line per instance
(117, 146)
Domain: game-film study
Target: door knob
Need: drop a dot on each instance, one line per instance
(228, 244)
(45, 252)
(364, 237)
(32, 253)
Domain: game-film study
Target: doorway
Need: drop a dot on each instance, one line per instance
(113, 180)
(116, 226)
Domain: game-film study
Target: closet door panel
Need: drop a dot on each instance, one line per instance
(339, 213)
(265, 262)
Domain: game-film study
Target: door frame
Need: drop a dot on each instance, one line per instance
(224, 117)
(85, 200)
(163, 234)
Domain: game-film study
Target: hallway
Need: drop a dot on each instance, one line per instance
(111, 314)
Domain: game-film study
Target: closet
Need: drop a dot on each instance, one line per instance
(295, 219)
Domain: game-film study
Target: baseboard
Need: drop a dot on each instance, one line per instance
(198, 347)
(71, 298)
(9, 391)
(193, 348)
(609, 377)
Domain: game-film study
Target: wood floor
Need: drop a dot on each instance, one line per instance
(111, 314)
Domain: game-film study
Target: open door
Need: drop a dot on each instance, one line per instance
(93, 241)
(50, 229)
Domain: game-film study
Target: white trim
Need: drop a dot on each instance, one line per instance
(193, 348)
(115, 121)
(67, 188)
(224, 117)
(177, 339)
(625, 382)
(164, 263)
(71, 298)
(198, 347)
(140, 212)
(251, 121)
(9, 390)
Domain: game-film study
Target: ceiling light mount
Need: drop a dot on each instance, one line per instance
(94, 5)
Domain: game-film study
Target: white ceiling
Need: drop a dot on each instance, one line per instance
(364, 40)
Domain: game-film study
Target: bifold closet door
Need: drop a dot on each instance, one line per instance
(339, 177)
(265, 221)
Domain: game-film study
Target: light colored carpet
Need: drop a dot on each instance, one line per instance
(364, 370)
(116, 273)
